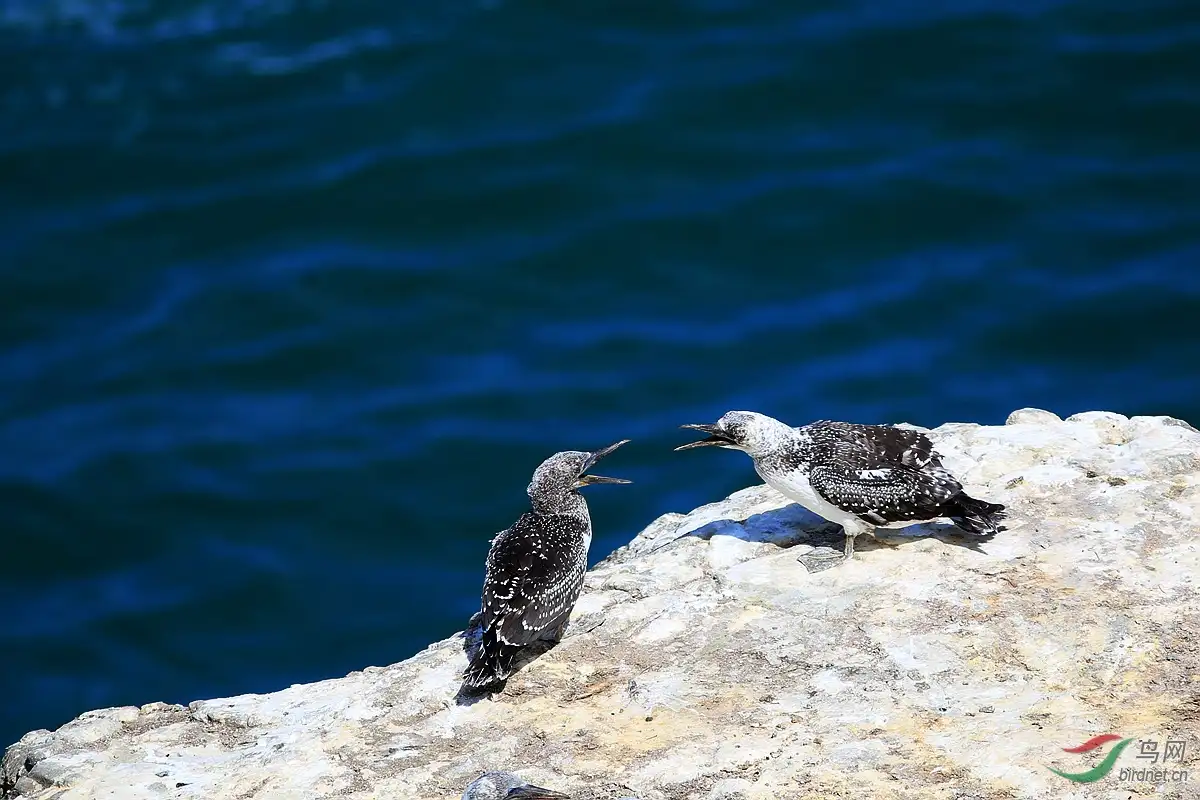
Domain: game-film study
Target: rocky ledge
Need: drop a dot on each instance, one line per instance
(706, 662)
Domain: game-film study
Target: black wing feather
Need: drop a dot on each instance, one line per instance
(882, 495)
(879, 445)
(883, 474)
(533, 576)
(533, 580)
(880, 473)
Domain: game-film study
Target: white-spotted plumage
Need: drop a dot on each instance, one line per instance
(861, 477)
(535, 568)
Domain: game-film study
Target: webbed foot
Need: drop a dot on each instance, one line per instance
(821, 560)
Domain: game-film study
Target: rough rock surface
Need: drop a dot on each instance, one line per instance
(715, 666)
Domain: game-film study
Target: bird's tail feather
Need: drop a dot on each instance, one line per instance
(976, 516)
(491, 664)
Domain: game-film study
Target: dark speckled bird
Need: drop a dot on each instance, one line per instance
(507, 786)
(535, 568)
(861, 477)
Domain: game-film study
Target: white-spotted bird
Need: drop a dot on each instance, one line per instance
(535, 568)
(861, 477)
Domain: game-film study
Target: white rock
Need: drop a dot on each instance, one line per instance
(1034, 416)
(723, 669)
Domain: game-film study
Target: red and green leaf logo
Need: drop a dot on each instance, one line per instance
(1104, 767)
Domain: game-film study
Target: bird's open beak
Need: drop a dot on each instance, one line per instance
(535, 793)
(715, 436)
(588, 480)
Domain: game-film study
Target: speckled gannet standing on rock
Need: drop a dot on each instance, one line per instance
(861, 477)
(506, 786)
(535, 568)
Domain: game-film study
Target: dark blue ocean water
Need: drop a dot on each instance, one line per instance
(295, 295)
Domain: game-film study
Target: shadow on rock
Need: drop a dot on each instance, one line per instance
(946, 532)
(793, 524)
(782, 527)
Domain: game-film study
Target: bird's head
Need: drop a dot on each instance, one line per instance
(566, 472)
(507, 786)
(747, 431)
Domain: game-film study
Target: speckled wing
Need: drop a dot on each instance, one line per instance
(882, 495)
(879, 445)
(533, 577)
(880, 473)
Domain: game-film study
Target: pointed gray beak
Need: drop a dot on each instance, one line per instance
(589, 480)
(716, 436)
(528, 792)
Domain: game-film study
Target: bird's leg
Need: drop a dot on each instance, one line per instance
(818, 562)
